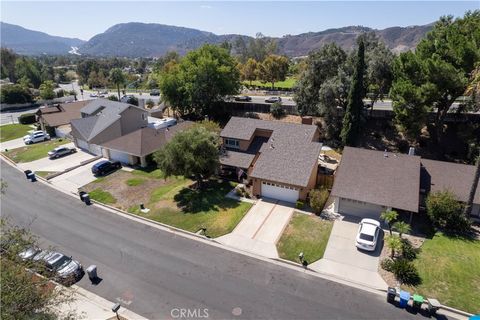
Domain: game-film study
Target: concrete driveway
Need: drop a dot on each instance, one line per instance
(260, 229)
(72, 180)
(344, 260)
(12, 144)
(60, 164)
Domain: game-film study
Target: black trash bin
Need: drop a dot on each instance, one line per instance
(27, 172)
(32, 177)
(391, 294)
(81, 193)
(86, 199)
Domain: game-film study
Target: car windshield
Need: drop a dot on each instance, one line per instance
(60, 262)
(366, 237)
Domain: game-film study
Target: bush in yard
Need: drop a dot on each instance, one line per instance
(387, 264)
(408, 251)
(299, 204)
(405, 272)
(277, 111)
(132, 100)
(318, 198)
(149, 103)
(446, 212)
(112, 97)
(27, 118)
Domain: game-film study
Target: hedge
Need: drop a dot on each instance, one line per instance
(27, 118)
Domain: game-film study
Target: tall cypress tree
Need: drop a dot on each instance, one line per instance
(352, 118)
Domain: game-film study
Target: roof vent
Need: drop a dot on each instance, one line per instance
(411, 151)
(385, 154)
(271, 146)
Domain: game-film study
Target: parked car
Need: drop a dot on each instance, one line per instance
(126, 98)
(31, 134)
(60, 152)
(93, 95)
(36, 137)
(155, 92)
(273, 99)
(63, 266)
(368, 233)
(104, 92)
(29, 253)
(104, 167)
(243, 98)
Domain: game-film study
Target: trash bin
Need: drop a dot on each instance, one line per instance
(433, 305)
(391, 294)
(417, 301)
(81, 193)
(92, 272)
(32, 177)
(27, 172)
(86, 199)
(404, 298)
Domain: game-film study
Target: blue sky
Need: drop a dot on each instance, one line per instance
(85, 19)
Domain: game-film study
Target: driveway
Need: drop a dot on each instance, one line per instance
(72, 180)
(344, 260)
(260, 229)
(12, 144)
(60, 164)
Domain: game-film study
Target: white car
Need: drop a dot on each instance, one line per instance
(31, 134)
(36, 137)
(368, 233)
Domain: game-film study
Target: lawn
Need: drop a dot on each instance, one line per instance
(34, 151)
(450, 271)
(102, 196)
(13, 131)
(287, 84)
(305, 233)
(172, 200)
(44, 174)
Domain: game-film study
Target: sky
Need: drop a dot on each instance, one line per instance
(87, 18)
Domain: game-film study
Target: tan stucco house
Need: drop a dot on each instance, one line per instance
(279, 159)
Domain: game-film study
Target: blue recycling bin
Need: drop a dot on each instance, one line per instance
(404, 298)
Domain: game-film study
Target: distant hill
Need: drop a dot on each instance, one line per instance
(30, 42)
(136, 39)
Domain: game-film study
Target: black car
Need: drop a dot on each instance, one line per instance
(104, 167)
(243, 98)
(155, 92)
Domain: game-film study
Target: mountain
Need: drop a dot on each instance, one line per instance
(30, 42)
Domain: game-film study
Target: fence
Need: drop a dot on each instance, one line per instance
(325, 180)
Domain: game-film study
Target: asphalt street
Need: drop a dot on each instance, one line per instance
(153, 272)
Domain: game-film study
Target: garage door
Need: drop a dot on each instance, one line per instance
(279, 192)
(359, 208)
(119, 156)
(82, 144)
(95, 149)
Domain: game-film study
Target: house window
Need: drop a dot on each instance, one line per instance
(232, 143)
(144, 116)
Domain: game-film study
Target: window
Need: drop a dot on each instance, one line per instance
(232, 143)
(144, 116)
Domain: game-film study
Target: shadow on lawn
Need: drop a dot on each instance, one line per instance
(210, 197)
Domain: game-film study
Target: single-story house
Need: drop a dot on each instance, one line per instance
(368, 182)
(59, 116)
(279, 159)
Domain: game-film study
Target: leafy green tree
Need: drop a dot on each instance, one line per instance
(433, 77)
(28, 68)
(389, 216)
(318, 198)
(8, 59)
(353, 115)
(46, 90)
(273, 69)
(394, 243)
(15, 93)
(446, 212)
(401, 227)
(118, 78)
(200, 81)
(191, 153)
(473, 189)
(249, 70)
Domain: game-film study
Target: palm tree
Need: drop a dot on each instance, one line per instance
(118, 78)
(401, 227)
(468, 207)
(394, 243)
(389, 216)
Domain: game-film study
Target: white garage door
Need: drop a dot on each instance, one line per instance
(359, 208)
(119, 156)
(279, 192)
(95, 149)
(82, 144)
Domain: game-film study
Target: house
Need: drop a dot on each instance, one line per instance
(368, 182)
(279, 159)
(59, 116)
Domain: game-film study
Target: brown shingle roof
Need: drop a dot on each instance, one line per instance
(69, 111)
(457, 178)
(237, 159)
(369, 176)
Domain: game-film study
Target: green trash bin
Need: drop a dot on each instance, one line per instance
(417, 301)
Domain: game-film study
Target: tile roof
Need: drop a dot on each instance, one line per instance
(441, 175)
(289, 155)
(369, 176)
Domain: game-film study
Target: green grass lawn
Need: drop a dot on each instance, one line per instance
(287, 84)
(102, 196)
(44, 174)
(149, 173)
(135, 182)
(13, 131)
(34, 151)
(450, 271)
(307, 234)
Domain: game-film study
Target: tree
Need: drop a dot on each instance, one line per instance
(273, 69)
(46, 90)
(112, 97)
(433, 77)
(7, 64)
(389, 216)
(446, 212)
(318, 198)
(200, 81)
(30, 69)
(394, 243)
(191, 153)
(15, 93)
(249, 70)
(401, 227)
(118, 78)
(473, 190)
(353, 114)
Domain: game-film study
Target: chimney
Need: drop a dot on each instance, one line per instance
(411, 151)
(307, 120)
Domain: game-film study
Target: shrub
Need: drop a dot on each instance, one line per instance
(112, 97)
(12, 94)
(27, 118)
(299, 204)
(405, 272)
(277, 111)
(387, 264)
(318, 198)
(150, 103)
(408, 251)
(252, 115)
(446, 212)
(132, 100)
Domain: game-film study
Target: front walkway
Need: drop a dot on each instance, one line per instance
(260, 229)
(344, 260)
